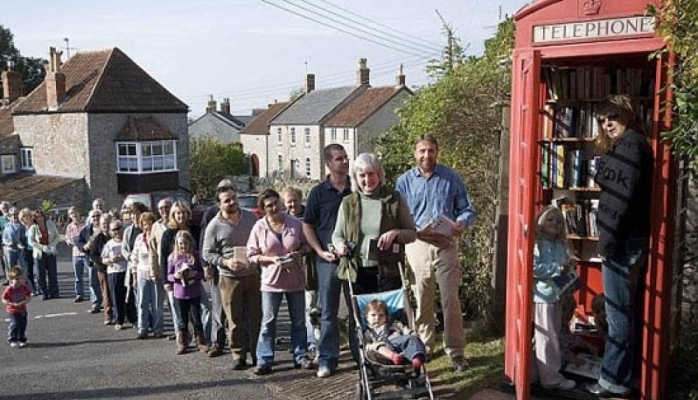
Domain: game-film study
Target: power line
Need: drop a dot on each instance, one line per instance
(410, 42)
(341, 30)
(381, 25)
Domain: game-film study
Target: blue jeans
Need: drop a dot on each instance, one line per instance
(95, 288)
(17, 332)
(329, 290)
(271, 301)
(150, 309)
(620, 281)
(79, 264)
(15, 257)
(47, 265)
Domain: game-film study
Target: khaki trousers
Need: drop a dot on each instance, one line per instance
(242, 304)
(430, 265)
(106, 296)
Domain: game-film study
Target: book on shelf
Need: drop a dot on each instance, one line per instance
(545, 166)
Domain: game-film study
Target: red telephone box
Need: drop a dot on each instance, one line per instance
(569, 55)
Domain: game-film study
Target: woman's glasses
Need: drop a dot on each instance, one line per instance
(606, 118)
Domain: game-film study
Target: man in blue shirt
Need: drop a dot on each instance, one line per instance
(319, 220)
(441, 208)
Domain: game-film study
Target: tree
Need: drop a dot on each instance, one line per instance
(459, 109)
(678, 25)
(31, 69)
(210, 161)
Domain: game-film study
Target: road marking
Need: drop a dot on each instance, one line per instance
(49, 315)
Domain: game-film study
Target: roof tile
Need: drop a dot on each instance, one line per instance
(17, 187)
(359, 109)
(143, 129)
(105, 81)
(312, 107)
(260, 123)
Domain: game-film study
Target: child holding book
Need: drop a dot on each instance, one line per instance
(392, 339)
(550, 259)
(185, 272)
(15, 297)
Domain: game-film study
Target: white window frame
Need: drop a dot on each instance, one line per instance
(279, 136)
(345, 135)
(307, 167)
(333, 134)
(306, 137)
(280, 163)
(149, 157)
(8, 164)
(293, 136)
(27, 158)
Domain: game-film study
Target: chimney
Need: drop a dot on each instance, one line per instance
(211, 107)
(400, 77)
(363, 73)
(55, 80)
(225, 106)
(309, 83)
(11, 84)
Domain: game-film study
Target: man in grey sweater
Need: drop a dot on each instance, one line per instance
(224, 247)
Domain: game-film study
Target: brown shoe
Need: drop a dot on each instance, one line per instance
(215, 351)
(459, 363)
(181, 343)
(201, 342)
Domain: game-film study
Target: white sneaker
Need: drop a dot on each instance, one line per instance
(22, 344)
(323, 371)
(15, 344)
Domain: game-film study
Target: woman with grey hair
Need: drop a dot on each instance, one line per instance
(373, 225)
(370, 221)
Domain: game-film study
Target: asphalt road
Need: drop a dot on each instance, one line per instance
(72, 355)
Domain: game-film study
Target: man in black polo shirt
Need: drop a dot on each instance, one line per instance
(318, 224)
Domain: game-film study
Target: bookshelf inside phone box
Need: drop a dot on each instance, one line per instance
(572, 91)
(561, 73)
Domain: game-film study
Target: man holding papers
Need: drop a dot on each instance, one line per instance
(441, 209)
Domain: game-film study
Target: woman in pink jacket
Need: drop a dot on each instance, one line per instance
(277, 244)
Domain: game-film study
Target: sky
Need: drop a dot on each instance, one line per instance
(256, 52)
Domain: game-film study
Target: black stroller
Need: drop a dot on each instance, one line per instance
(379, 378)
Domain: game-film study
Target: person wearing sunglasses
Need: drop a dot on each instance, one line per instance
(623, 218)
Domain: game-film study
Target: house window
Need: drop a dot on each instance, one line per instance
(147, 157)
(306, 136)
(281, 163)
(333, 135)
(293, 136)
(8, 164)
(27, 156)
(278, 135)
(307, 167)
(346, 135)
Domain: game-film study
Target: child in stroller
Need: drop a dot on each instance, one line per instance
(392, 339)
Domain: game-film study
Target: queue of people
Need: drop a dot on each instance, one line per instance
(227, 277)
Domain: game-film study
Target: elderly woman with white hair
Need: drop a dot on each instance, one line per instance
(373, 225)
(370, 221)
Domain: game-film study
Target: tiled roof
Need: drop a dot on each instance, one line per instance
(230, 119)
(16, 187)
(359, 109)
(7, 125)
(260, 123)
(245, 119)
(142, 129)
(105, 81)
(312, 107)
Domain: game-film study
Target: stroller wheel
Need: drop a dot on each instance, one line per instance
(360, 393)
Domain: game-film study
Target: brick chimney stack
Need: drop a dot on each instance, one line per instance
(309, 83)
(363, 73)
(55, 80)
(211, 107)
(225, 106)
(400, 77)
(11, 84)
